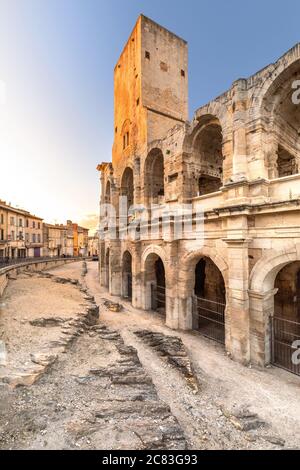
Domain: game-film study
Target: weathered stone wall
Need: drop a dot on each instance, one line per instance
(32, 266)
(246, 138)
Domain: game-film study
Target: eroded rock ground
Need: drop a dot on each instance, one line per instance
(126, 381)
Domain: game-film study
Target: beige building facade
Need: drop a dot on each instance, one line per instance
(93, 246)
(21, 233)
(54, 240)
(237, 162)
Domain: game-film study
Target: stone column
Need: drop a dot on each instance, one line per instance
(237, 311)
(137, 278)
(261, 312)
(102, 268)
(239, 163)
(115, 269)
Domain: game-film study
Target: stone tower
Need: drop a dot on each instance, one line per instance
(151, 89)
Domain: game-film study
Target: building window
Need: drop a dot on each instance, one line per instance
(147, 55)
(12, 221)
(39, 225)
(125, 140)
(33, 238)
(164, 66)
(27, 237)
(27, 223)
(39, 238)
(12, 235)
(138, 102)
(20, 223)
(182, 73)
(2, 219)
(33, 224)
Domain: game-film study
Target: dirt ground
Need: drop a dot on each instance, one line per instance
(98, 395)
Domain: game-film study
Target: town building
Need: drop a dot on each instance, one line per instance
(93, 245)
(237, 162)
(21, 233)
(54, 240)
(83, 241)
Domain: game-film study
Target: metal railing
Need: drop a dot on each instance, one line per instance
(211, 319)
(4, 262)
(158, 298)
(284, 334)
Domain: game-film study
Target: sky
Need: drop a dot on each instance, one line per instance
(56, 83)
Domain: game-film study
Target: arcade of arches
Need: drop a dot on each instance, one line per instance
(238, 161)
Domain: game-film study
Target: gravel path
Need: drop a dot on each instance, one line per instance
(114, 388)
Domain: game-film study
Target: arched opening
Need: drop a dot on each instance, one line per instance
(282, 116)
(286, 320)
(127, 186)
(155, 283)
(154, 177)
(107, 268)
(208, 158)
(210, 300)
(108, 193)
(127, 276)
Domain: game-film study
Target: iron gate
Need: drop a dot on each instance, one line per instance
(158, 300)
(285, 349)
(211, 319)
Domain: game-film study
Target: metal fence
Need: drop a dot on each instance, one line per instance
(4, 262)
(210, 319)
(284, 335)
(158, 298)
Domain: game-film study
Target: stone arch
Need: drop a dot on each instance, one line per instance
(154, 184)
(262, 294)
(206, 150)
(151, 256)
(127, 264)
(187, 271)
(265, 271)
(272, 104)
(187, 302)
(280, 68)
(155, 249)
(125, 134)
(127, 185)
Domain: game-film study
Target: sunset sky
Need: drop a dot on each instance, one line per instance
(56, 83)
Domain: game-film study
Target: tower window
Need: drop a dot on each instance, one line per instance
(125, 140)
(182, 73)
(138, 102)
(147, 55)
(164, 66)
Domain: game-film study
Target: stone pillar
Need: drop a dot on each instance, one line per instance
(261, 312)
(239, 163)
(272, 157)
(115, 269)
(102, 267)
(237, 312)
(137, 278)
